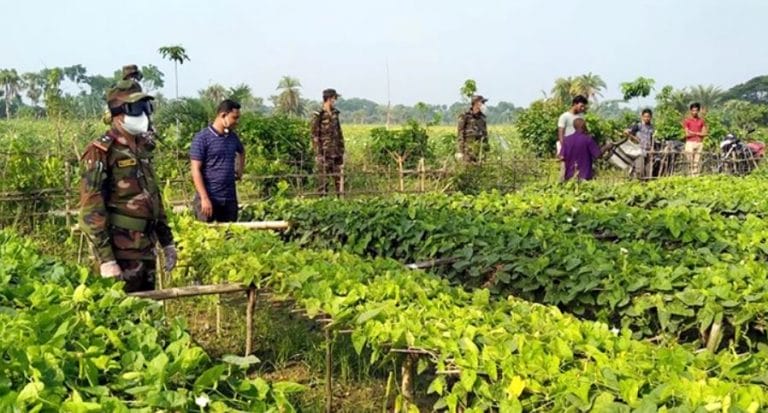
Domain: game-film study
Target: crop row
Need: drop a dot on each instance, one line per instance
(510, 354)
(675, 270)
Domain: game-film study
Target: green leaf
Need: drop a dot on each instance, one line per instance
(242, 362)
(210, 377)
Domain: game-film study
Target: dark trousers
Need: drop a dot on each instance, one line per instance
(223, 211)
(138, 275)
(328, 167)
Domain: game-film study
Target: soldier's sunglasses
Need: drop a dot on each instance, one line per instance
(134, 109)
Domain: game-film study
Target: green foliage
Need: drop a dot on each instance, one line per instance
(276, 138)
(740, 116)
(662, 259)
(410, 142)
(508, 354)
(538, 126)
(468, 89)
(639, 88)
(178, 121)
(73, 342)
(755, 90)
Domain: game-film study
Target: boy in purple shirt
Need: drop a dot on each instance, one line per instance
(579, 151)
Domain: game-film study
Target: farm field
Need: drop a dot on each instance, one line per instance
(592, 297)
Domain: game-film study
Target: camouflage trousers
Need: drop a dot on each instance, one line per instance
(474, 150)
(138, 275)
(328, 167)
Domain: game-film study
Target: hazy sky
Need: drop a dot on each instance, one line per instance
(513, 48)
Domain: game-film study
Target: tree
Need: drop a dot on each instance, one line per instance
(34, 83)
(755, 90)
(639, 88)
(740, 115)
(468, 89)
(215, 93)
(178, 55)
(242, 94)
(423, 110)
(289, 101)
(562, 91)
(12, 84)
(153, 79)
(708, 96)
(589, 85)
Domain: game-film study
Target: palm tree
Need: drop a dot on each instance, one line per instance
(34, 83)
(12, 84)
(178, 55)
(589, 85)
(289, 100)
(562, 91)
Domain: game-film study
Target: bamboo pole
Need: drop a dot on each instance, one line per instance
(422, 174)
(328, 371)
(256, 225)
(191, 291)
(249, 321)
(406, 383)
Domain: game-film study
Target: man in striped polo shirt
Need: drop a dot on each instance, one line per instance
(218, 160)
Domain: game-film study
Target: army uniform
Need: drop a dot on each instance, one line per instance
(473, 134)
(121, 208)
(328, 144)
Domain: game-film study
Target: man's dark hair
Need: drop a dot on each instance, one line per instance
(648, 111)
(696, 105)
(227, 105)
(579, 99)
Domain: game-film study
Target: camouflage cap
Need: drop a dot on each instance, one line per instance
(125, 91)
(131, 72)
(330, 93)
(478, 98)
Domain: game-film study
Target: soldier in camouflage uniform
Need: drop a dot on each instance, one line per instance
(121, 210)
(473, 132)
(132, 72)
(328, 142)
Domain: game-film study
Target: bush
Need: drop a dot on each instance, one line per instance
(190, 115)
(411, 142)
(537, 125)
(277, 138)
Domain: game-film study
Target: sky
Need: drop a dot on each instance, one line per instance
(514, 49)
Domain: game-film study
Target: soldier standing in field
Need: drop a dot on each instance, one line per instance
(328, 142)
(121, 211)
(473, 132)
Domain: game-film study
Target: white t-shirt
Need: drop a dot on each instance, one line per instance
(566, 122)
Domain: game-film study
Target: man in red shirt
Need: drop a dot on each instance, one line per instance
(695, 131)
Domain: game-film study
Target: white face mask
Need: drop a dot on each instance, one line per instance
(483, 109)
(136, 125)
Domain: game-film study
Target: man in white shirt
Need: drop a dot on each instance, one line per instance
(565, 124)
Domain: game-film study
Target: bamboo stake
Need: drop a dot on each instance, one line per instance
(191, 291)
(266, 225)
(328, 372)
(249, 321)
(406, 383)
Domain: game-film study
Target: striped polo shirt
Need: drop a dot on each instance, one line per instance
(217, 154)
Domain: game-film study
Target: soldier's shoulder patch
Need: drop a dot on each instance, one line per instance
(103, 143)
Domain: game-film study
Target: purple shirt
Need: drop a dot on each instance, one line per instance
(579, 151)
(217, 154)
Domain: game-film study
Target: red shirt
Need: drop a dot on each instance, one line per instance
(693, 125)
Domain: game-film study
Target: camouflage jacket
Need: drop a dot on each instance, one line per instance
(121, 210)
(473, 126)
(327, 139)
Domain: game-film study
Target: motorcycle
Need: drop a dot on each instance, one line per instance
(737, 157)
